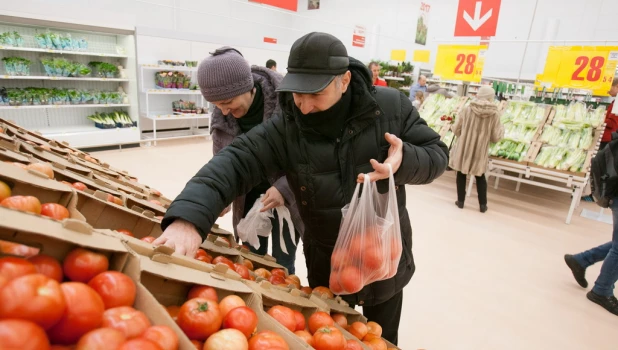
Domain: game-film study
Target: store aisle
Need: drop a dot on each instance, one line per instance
(483, 281)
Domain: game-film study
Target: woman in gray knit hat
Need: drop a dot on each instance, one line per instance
(476, 126)
(245, 97)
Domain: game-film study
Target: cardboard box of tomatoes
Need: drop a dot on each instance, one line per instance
(36, 139)
(61, 285)
(220, 246)
(208, 307)
(6, 155)
(260, 261)
(48, 156)
(30, 186)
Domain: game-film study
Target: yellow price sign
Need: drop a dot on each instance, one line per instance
(460, 62)
(581, 67)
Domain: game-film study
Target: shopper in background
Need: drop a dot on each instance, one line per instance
(272, 65)
(418, 99)
(476, 126)
(421, 85)
(334, 126)
(245, 97)
(437, 89)
(611, 120)
(374, 67)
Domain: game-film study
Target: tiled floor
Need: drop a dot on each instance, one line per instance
(493, 281)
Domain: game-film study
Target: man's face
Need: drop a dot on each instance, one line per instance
(237, 106)
(325, 99)
(375, 70)
(613, 91)
(422, 81)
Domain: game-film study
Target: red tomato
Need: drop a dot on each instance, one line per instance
(115, 288)
(356, 248)
(125, 232)
(376, 344)
(283, 315)
(114, 199)
(242, 270)
(47, 266)
(323, 291)
(11, 248)
(227, 339)
(333, 283)
(55, 211)
(207, 259)
(373, 258)
(84, 312)
(358, 329)
(163, 336)
(374, 328)
(23, 203)
(292, 282)
(243, 319)
(200, 252)
(318, 320)
(148, 239)
(81, 265)
(19, 165)
(5, 191)
(79, 186)
(351, 279)
(353, 345)
(300, 320)
(267, 340)
(248, 264)
(199, 318)
(198, 344)
(3, 281)
(223, 260)
(12, 268)
(306, 290)
(22, 335)
(263, 273)
(35, 298)
(101, 339)
(275, 280)
(173, 311)
(132, 323)
(278, 272)
(204, 292)
(44, 168)
(156, 202)
(340, 319)
(155, 192)
(61, 347)
(229, 303)
(305, 336)
(227, 241)
(329, 338)
(139, 344)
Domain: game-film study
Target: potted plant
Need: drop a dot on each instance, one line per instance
(15, 97)
(83, 44)
(75, 97)
(82, 70)
(42, 40)
(4, 99)
(103, 97)
(55, 39)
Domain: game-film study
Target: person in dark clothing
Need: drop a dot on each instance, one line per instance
(272, 65)
(251, 101)
(334, 127)
(611, 119)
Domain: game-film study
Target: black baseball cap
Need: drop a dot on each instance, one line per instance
(315, 60)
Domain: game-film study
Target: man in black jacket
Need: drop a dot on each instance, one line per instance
(335, 126)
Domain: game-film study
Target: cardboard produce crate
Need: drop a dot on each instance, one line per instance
(295, 300)
(135, 200)
(28, 137)
(31, 183)
(63, 174)
(102, 214)
(121, 186)
(6, 155)
(215, 246)
(261, 261)
(164, 283)
(51, 157)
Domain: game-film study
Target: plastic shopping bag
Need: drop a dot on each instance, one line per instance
(369, 247)
(257, 223)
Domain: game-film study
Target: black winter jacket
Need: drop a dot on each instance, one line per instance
(322, 173)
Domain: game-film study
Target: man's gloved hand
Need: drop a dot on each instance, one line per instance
(182, 236)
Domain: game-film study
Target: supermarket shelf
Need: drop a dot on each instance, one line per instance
(90, 136)
(175, 135)
(178, 116)
(393, 78)
(43, 77)
(172, 92)
(172, 68)
(64, 106)
(82, 53)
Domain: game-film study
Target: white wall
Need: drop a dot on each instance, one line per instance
(394, 20)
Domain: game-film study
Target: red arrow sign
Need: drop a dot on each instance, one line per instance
(477, 17)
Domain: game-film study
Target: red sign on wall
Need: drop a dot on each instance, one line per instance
(477, 17)
(270, 40)
(358, 39)
(291, 5)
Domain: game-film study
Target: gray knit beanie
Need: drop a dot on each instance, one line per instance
(486, 93)
(224, 75)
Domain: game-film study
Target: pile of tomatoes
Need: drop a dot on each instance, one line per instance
(31, 204)
(369, 333)
(77, 304)
(226, 324)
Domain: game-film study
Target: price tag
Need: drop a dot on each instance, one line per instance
(581, 67)
(461, 62)
(7, 77)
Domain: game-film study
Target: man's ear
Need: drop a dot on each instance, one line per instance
(345, 81)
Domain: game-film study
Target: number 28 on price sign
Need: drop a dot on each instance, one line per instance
(460, 62)
(589, 68)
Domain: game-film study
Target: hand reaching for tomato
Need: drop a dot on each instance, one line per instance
(395, 156)
(182, 236)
